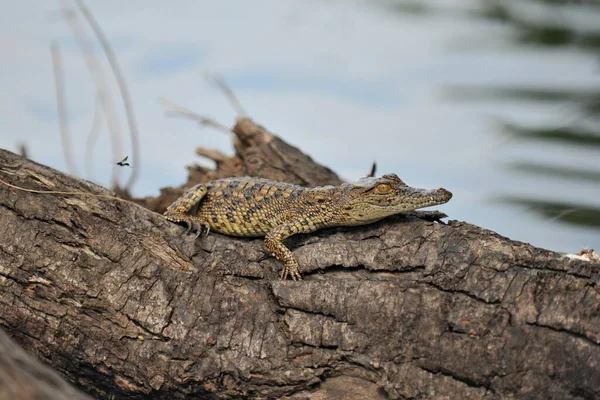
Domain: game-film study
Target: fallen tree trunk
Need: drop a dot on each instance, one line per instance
(125, 304)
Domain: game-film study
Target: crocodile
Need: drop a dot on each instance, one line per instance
(256, 207)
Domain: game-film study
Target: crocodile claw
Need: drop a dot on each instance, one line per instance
(200, 227)
(293, 270)
(192, 224)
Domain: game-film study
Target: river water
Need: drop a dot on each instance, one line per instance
(496, 101)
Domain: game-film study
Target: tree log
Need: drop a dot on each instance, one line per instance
(126, 305)
(23, 377)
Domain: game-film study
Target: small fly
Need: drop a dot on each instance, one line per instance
(124, 163)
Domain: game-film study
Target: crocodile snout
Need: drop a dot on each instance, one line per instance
(444, 194)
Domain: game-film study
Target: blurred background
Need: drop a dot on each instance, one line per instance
(496, 100)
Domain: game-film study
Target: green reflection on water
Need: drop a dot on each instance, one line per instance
(554, 171)
(581, 134)
(548, 32)
(572, 135)
(571, 213)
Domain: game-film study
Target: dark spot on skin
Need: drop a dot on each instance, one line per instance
(252, 210)
(248, 196)
(230, 217)
(226, 195)
(277, 194)
(320, 200)
(293, 195)
(215, 219)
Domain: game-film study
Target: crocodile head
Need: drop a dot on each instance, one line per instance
(371, 199)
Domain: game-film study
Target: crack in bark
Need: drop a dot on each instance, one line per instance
(462, 379)
(459, 291)
(573, 334)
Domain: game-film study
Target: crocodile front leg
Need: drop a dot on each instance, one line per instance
(179, 211)
(273, 242)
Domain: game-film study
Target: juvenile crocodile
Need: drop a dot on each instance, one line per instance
(276, 210)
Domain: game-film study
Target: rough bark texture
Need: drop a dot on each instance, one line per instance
(258, 153)
(125, 305)
(23, 377)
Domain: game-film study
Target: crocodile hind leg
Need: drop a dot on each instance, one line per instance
(179, 211)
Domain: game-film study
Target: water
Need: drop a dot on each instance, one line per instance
(497, 101)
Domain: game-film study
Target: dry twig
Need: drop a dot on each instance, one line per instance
(219, 82)
(61, 105)
(122, 84)
(175, 110)
(102, 91)
(91, 138)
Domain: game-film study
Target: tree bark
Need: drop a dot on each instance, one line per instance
(126, 305)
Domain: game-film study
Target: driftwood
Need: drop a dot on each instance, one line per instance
(126, 305)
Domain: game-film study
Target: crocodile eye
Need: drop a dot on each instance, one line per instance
(383, 188)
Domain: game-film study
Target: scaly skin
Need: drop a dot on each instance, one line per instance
(276, 210)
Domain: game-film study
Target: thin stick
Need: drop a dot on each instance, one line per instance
(101, 196)
(220, 83)
(123, 88)
(61, 105)
(373, 170)
(23, 150)
(179, 111)
(97, 74)
(92, 137)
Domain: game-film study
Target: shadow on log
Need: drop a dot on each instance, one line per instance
(126, 306)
